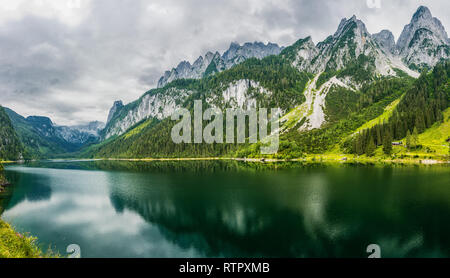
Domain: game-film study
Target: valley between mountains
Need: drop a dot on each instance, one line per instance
(353, 96)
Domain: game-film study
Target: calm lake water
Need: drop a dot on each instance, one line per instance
(231, 209)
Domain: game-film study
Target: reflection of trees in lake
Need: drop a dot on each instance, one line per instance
(318, 214)
(26, 186)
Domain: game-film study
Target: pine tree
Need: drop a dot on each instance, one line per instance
(449, 151)
(379, 140)
(387, 143)
(415, 138)
(370, 149)
(359, 145)
(408, 140)
(420, 122)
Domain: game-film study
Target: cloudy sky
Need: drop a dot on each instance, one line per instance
(70, 59)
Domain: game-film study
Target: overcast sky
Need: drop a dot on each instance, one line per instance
(70, 59)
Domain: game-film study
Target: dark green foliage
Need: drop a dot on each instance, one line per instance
(361, 70)
(273, 73)
(419, 109)
(380, 93)
(387, 143)
(370, 148)
(290, 53)
(36, 144)
(340, 103)
(10, 146)
(211, 69)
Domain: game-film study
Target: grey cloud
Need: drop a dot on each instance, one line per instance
(73, 73)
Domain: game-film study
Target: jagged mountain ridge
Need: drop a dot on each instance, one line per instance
(214, 62)
(350, 49)
(350, 42)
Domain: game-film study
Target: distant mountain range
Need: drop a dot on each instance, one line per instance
(41, 137)
(328, 92)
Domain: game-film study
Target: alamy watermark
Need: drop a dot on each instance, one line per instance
(74, 251)
(374, 250)
(235, 124)
(374, 4)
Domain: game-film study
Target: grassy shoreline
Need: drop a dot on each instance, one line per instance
(16, 245)
(315, 158)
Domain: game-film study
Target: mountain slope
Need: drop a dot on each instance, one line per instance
(280, 85)
(10, 145)
(42, 138)
(351, 83)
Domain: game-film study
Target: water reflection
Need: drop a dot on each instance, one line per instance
(214, 209)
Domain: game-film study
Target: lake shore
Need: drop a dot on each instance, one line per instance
(16, 245)
(322, 158)
(343, 159)
(12, 243)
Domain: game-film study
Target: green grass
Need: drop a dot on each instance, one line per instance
(435, 137)
(137, 129)
(16, 245)
(389, 110)
(433, 141)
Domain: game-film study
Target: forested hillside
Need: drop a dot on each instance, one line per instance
(10, 146)
(420, 108)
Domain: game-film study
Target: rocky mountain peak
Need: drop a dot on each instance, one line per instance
(422, 13)
(422, 19)
(386, 40)
(348, 24)
(114, 109)
(234, 55)
(424, 41)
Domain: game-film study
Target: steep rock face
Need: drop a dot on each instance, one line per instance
(385, 40)
(80, 134)
(241, 94)
(338, 51)
(423, 42)
(214, 62)
(161, 104)
(155, 104)
(114, 110)
(306, 52)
